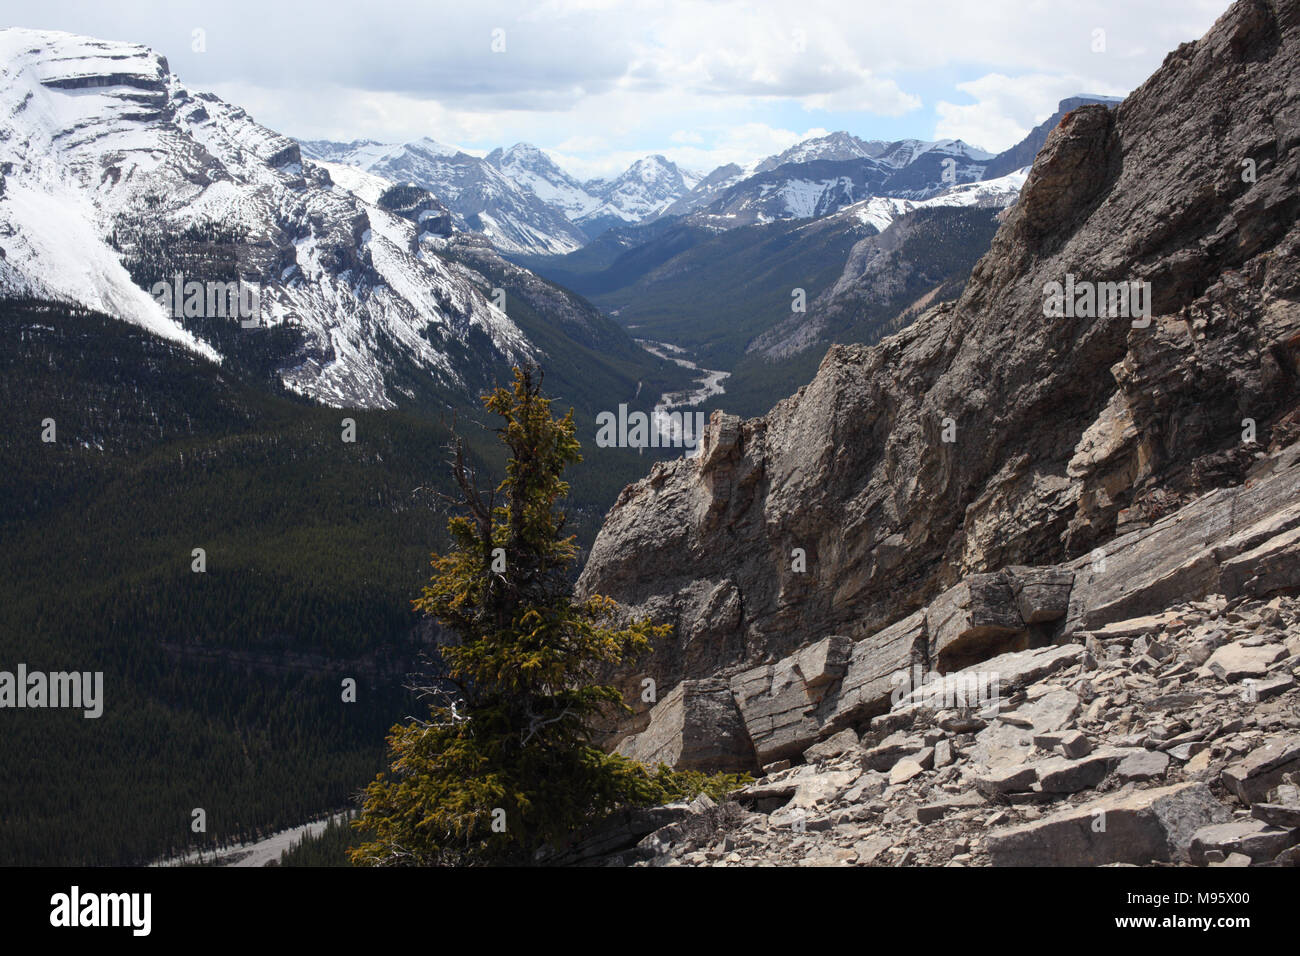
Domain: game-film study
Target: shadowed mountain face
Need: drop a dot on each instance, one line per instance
(990, 433)
(1023, 153)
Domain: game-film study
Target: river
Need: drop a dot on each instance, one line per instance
(264, 852)
(708, 383)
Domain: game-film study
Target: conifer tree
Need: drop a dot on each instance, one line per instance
(506, 762)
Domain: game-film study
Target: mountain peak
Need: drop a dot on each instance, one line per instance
(838, 145)
(431, 145)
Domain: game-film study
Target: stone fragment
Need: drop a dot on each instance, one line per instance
(1075, 744)
(777, 701)
(891, 750)
(1053, 711)
(1198, 764)
(974, 620)
(936, 809)
(833, 746)
(1233, 662)
(696, 727)
(943, 754)
(1268, 688)
(870, 784)
(1252, 776)
(1256, 839)
(871, 848)
(1138, 827)
(1062, 775)
(1041, 594)
(1277, 814)
(1141, 765)
(1006, 780)
(1137, 627)
(870, 677)
(1273, 566)
(820, 788)
(904, 771)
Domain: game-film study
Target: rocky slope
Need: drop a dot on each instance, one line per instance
(1056, 424)
(1167, 740)
(891, 502)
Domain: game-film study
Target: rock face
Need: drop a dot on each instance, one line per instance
(989, 436)
(696, 727)
(1023, 153)
(1012, 588)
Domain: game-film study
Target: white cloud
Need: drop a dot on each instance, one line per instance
(1007, 108)
(635, 73)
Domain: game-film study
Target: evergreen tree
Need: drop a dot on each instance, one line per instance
(505, 763)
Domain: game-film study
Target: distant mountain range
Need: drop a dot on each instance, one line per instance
(527, 205)
(519, 198)
(379, 268)
(725, 293)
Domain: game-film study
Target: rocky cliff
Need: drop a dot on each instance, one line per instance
(990, 434)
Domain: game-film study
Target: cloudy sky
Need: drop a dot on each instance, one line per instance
(598, 83)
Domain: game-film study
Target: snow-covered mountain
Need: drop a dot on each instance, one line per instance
(905, 152)
(642, 191)
(838, 145)
(518, 197)
(531, 169)
(482, 197)
(794, 191)
(116, 177)
(819, 176)
(881, 211)
(815, 177)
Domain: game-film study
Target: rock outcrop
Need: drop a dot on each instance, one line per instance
(1020, 585)
(994, 632)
